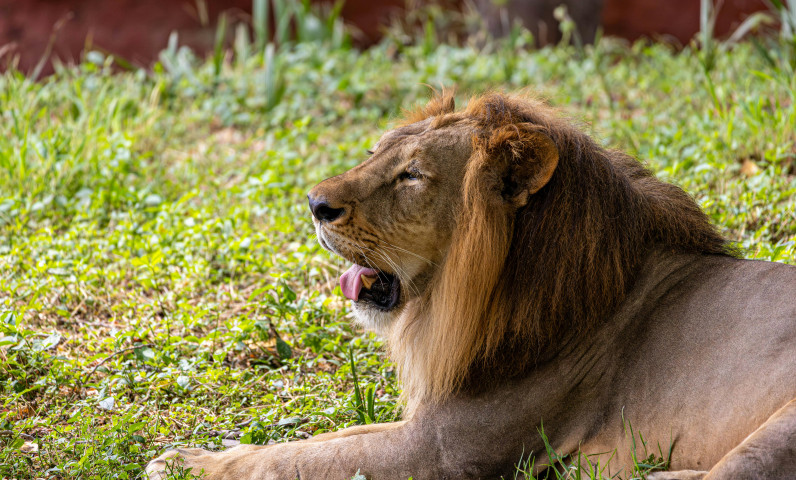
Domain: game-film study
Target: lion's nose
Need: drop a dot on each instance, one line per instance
(322, 210)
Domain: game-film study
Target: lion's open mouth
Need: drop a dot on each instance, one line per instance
(363, 284)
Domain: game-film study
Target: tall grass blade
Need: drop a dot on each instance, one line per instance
(358, 401)
(274, 78)
(752, 22)
(262, 28)
(218, 49)
(242, 44)
(283, 13)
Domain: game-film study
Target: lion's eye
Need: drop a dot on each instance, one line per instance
(370, 152)
(409, 175)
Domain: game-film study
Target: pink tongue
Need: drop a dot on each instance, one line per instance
(351, 280)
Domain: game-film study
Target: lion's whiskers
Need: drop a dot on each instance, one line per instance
(407, 251)
(401, 272)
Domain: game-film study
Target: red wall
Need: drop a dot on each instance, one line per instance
(138, 29)
(677, 19)
(135, 29)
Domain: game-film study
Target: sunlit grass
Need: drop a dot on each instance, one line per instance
(160, 283)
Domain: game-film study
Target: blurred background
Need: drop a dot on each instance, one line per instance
(36, 33)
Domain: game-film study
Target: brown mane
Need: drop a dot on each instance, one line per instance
(518, 279)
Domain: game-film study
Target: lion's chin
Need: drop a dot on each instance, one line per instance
(374, 319)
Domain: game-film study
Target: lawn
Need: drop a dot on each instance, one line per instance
(160, 280)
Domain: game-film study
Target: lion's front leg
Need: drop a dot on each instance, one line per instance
(679, 475)
(384, 451)
(357, 430)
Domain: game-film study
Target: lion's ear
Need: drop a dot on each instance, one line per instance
(531, 158)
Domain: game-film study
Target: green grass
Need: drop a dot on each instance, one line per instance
(160, 282)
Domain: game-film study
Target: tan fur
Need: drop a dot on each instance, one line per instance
(546, 280)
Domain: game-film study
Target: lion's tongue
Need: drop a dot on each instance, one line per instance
(351, 280)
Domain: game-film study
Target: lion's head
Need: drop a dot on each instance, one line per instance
(480, 236)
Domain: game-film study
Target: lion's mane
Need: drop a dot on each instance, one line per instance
(517, 280)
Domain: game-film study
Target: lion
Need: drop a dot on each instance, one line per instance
(526, 277)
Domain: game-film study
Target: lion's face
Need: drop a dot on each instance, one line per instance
(393, 215)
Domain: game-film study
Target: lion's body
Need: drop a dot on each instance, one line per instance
(707, 355)
(538, 279)
(699, 355)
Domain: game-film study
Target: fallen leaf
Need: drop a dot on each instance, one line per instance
(107, 403)
(24, 411)
(749, 168)
(29, 447)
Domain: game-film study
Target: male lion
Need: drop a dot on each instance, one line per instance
(524, 275)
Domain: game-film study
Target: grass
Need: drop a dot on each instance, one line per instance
(160, 283)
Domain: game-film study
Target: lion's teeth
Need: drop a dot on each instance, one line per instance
(367, 281)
